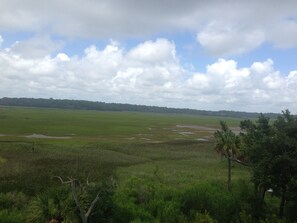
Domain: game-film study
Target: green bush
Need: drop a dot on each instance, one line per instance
(273, 219)
(145, 200)
(12, 205)
(244, 217)
(149, 200)
(204, 218)
(104, 208)
(55, 204)
(220, 204)
(17, 200)
(11, 216)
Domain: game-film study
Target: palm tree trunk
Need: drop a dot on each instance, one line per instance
(282, 204)
(229, 174)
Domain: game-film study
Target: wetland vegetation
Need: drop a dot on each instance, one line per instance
(146, 167)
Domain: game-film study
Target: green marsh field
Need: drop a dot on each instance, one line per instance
(151, 157)
(39, 143)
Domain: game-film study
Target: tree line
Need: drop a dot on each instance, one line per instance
(102, 106)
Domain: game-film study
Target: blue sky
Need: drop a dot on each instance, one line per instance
(211, 55)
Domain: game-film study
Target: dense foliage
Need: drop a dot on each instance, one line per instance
(272, 152)
(141, 200)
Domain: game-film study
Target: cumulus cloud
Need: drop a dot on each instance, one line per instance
(219, 39)
(159, 51)
(142, 76)
(258, 87)
(63, 57)
(36, 47)
(222, 27)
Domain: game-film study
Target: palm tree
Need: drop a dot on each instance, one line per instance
(226, 144)
(54, 205)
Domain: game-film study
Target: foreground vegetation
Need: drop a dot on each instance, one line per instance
(144, 167)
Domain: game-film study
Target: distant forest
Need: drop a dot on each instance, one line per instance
(102, 106)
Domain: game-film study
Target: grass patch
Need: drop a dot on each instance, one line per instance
(118, 144)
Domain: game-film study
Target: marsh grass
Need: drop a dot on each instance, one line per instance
(93, 124)
(104, 144)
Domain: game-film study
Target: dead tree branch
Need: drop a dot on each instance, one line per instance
(74, 183)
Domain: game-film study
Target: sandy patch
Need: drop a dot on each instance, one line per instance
(236, 130)
(197, 127)
(186, 133)
(40, 136)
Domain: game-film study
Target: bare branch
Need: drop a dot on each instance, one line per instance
(241, 162)
(74, 195)
(92, 205)
(62, 181)
(237, 160)
(88, 178)
(74, 183)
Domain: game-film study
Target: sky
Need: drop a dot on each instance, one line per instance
(200, 54)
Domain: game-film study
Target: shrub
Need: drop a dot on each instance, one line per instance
(11, 207)
(140, 200)
(11, 216)
(210, 198)
(204, 218)
(244, 217)
(273, 219)
(104, 208)
(55, 204)
(17, 200)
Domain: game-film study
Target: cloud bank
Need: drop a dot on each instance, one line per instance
(149, 73)
(223, 28)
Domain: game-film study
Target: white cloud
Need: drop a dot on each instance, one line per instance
(221, 39)
(292, 78)
(198, 82)
(1, 40)
(159, 51)
(114, 74)
(63, 57)
(262, 67)
(274, 81)
(242, 26)
(36, 47)
(45, 66)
